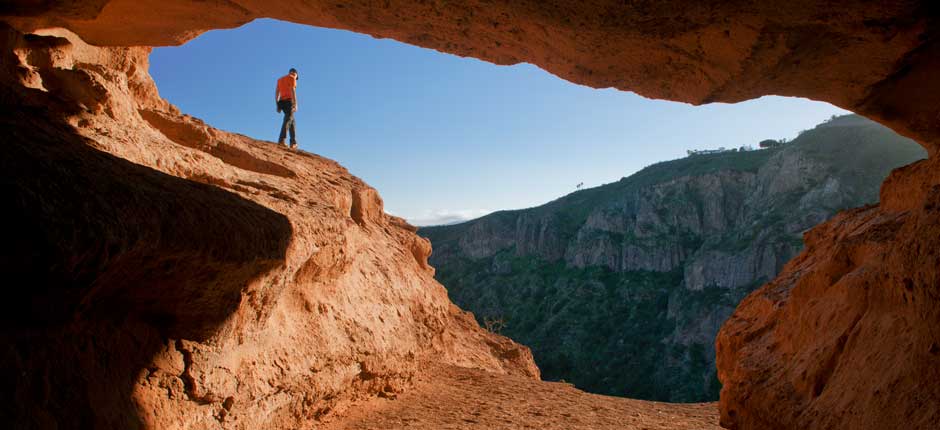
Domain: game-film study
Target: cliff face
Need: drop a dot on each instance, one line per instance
(686, 239)
(811, 348)
(172, 275)
(878, 59)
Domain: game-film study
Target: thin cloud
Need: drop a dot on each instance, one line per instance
(446, 217)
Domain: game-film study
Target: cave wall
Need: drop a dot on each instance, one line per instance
(164, 274)
(847, 336)
(848, 332)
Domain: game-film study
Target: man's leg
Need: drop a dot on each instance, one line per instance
(287, 108)
(293, 131)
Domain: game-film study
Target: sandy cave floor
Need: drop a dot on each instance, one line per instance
(459, 398)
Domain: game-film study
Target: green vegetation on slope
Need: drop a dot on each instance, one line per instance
(621, 289)
(572, 210)
(605, 327)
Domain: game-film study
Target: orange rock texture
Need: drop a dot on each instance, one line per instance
(165, 274)
(846, 337)
(458, 398)
(874, 58)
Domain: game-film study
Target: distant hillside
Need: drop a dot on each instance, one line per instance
(621, 289)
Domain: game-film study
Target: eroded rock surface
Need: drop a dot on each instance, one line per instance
(875, 58)
(879, 59)
(847, 336)
(171, 275)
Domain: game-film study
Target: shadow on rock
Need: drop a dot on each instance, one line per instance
(104, 261)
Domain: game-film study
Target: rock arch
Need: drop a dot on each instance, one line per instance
(847, 335)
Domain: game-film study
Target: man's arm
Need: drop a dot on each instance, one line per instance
(275, 99)
(293, 93)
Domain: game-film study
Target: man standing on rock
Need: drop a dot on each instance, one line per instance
(285, 95)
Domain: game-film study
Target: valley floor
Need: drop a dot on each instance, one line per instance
(459, 398)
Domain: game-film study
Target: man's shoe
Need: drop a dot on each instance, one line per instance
(281, 143)
(293, 145)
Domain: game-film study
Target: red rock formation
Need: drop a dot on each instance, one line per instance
(176, 276)
(845, 337)
(874, 58)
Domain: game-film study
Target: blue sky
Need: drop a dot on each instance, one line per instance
(443, 137)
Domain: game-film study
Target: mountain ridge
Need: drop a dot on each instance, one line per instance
(691, 236)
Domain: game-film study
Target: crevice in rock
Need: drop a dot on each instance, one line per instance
(189, 382)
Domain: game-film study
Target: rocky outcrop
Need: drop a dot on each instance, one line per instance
(171, 275)
(875, 58)
(846, 329)
(708, 229)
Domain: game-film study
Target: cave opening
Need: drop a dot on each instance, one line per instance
(847, 321)
(492, 137)
(372, 104)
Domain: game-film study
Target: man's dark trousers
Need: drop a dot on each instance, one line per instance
(287, 106)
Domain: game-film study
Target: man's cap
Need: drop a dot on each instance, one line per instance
(294, 71)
